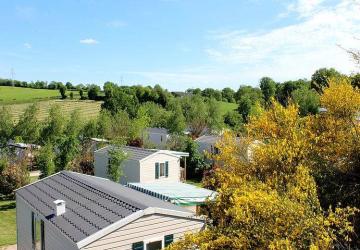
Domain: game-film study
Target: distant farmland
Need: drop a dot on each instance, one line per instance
(12, 95)
(88, 109)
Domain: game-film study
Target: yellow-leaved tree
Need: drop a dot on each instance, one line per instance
(267, 194)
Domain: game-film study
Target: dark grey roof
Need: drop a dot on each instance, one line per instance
(92, 203)
(134, 153)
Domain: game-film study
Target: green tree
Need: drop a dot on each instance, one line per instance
(116, 158)
(196, 114)
(355, 81)
(93, 92)
(228, 94)
(320, 79)
(234, 120)
(268, 88)
(62, 90)
(196, 164)
(284, 90)
(117, 99)
(69, 143)
(81, 93)
(215, 119)
(307, 99)
(6, 126)
(45, 160)
(245, 105)
(54, 126)
(28, 127)
(176, 122)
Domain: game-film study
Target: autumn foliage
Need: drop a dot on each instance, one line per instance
(273, 187)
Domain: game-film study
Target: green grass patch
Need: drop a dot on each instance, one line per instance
(12, 95)
(8, 219)
(7, 222)
(194, 182)
(226, 107)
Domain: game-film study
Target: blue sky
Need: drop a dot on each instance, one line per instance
(179, 44)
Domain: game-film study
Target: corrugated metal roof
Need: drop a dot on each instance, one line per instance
(92, 203)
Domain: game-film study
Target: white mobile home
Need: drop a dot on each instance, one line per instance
(75, 211)
(143, 165)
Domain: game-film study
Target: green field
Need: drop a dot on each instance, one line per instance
(88, 109)
(11, 95)
(226, 107)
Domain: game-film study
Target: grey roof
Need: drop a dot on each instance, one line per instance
(157, 130)
(134, 153)
(208, 139)
(92, 203)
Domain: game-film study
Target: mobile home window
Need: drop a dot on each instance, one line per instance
(37, 233)
(168, 239)
(138, 246)
(162, 169)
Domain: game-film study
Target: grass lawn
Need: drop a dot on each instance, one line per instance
(11, 95)
(8, 220)
(226, 107)
(7, 223)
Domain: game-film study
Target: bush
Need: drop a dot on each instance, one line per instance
(12, 176)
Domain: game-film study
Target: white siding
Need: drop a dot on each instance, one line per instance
(146, 228)
(130, 168)
(147, 168)
(54, 239)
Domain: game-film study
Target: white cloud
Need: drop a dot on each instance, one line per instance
(89, 41)
(116, 24)
(305, 7)
(299, 49)
(27, 45)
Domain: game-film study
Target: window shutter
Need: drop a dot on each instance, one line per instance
(168, 239)
(167, 169)
(157, 170)
(138, 246)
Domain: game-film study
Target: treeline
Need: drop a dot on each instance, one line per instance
(42, 84)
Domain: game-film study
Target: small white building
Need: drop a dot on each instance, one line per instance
(157, 137)
(74, 211)
(143, 165)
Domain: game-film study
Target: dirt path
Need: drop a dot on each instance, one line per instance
(12, 247)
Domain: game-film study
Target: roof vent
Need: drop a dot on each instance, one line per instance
(59, 207)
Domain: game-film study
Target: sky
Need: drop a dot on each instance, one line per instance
(178, 44)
